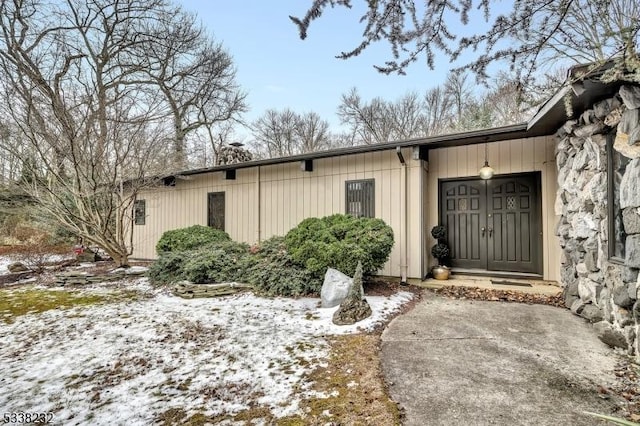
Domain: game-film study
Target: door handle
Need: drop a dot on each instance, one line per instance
(482, 230)
(490, 232)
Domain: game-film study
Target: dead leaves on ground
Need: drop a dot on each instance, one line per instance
(474, 293)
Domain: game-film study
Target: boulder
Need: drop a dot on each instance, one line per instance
(354, 307)
(630, 96)
(591, 313)
(621, 296)
(335, 288)
(610, 335)
(16, 267)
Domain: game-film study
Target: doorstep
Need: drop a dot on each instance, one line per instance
(550, 288)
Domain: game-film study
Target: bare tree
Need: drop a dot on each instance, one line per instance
(439, 112)
(537, 32)
(85, 107)
(195, 75)
(379, 121)
(312, 133)
(284, 133)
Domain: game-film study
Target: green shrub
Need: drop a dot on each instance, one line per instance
(169, 267)
(274, 273)
(224, 261)
(189, 238)
(340, 242)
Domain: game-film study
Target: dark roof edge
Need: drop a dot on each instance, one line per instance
(514, 131)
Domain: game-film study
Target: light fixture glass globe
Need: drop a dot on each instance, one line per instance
(486, 172)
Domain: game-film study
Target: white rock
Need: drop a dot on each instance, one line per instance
(334, 288)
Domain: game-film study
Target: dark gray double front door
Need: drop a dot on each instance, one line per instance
(494, 224)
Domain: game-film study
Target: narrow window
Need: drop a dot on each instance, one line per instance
(215, 210)
(616, 166)
(360, 198)
(139, 212)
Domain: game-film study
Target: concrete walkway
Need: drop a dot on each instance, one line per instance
(491, 363)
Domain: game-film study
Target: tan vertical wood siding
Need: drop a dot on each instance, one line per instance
(287, 196)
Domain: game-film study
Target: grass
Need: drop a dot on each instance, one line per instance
(14, 303)
(352, 379)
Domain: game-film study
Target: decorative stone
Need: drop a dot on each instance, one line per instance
(636, 310)
(622, 317)
(590, 261)
(334, 288)
(629, 193)
(589, 129)
(582, 270)
(630, 275)
(577, 306)
(583, 225)
(631, 220)
(588, 290)
(569, 126)
(596, 188)
(354, 307)
(621, 296)
(630, 96)
(602, 109)
(628, 134)
(632, 251)
(610, 335)
(591, 313)
(16, 267)
(613, 118)
(559, 203)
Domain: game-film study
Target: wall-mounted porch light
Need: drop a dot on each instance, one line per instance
(486, 172)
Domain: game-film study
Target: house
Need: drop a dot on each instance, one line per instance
(411, 185)
(561, 187)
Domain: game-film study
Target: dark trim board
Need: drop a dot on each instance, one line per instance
(494, 225)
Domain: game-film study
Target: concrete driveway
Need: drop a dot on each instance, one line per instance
(491, 363)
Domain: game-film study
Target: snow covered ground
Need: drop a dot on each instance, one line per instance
(128, 362)
(4, 262)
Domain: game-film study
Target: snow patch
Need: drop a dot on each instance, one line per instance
(126, 363)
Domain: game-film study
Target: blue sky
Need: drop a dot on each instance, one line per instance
(279, 70)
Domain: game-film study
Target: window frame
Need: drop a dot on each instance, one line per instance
(611, 202)
(140, 213)
(367, 183)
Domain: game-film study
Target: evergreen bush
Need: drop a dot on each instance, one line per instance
(189, 238)
(340, 241)
(169, 267)
(274, 273)
(224, 261)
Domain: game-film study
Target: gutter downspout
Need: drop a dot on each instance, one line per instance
(259, 206)
(404, 246)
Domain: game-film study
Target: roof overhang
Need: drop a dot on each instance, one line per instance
(516, 131)
(580, 93)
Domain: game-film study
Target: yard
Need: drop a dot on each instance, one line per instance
(125, 352)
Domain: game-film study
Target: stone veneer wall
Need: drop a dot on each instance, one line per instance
(604, 292)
